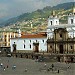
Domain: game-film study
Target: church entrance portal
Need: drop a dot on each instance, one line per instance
(61, 49)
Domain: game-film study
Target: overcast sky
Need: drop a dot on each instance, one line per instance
(12, 8)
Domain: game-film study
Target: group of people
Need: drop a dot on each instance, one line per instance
(7, 66)
(2, 66)
(50, 68)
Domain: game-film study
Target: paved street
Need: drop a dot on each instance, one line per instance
(32, 67)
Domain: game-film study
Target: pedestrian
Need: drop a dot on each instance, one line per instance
(45, 65)
(7, 66)
(68, 67)
(52, 65)
(58, 71)
(48, 69)
(4, 68)
(1, 64)
(26, 70)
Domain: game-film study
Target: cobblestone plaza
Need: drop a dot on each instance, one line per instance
(33, 67)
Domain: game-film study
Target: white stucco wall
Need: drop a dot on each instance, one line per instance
(20, 43)
(55, 21)
(71, 17)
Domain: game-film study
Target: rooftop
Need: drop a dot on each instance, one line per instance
(39, 35)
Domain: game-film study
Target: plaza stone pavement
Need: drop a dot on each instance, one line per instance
(32, 67)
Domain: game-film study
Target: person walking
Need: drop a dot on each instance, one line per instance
(1, 64)
(58, 71)
(4, 68)
(52, 66)
(7, 66)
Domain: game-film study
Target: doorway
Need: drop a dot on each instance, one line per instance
(14, 47)
(71, 59)
(36, 48)
(58, 58)
(61, 49)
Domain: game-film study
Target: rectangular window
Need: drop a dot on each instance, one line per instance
(71, 21)
(50, 46)
(30, 40)
(36, 40)
(71, 47)
(43, 41)
(5, 39)
(5, 35)
(30, 46)
(56, 22)
(24, 41)
(24, 46)
(11, 36)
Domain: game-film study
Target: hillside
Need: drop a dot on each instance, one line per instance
(38, 18)
(45, 12)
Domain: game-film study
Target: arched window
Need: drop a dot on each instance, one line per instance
(51, 22)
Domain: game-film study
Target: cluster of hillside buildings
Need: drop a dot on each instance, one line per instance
(58, 38)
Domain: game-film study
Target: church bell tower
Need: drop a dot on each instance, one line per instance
(52, 21)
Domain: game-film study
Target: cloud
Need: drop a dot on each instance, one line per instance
(12, 8)
(16, 7)
(55, 2)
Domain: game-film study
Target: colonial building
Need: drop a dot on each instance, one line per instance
(6, 38)
(30, 43)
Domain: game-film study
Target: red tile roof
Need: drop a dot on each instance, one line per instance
(39, 35)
